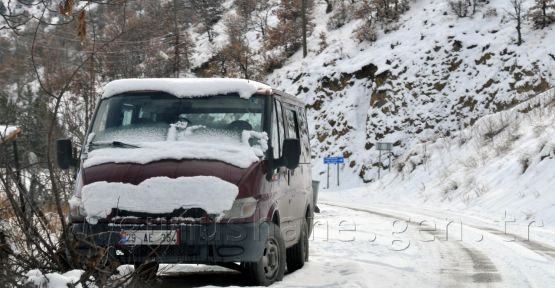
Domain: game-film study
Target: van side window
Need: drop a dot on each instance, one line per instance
(278, 144)
(275, 133)
(305, 140)
(291, 122)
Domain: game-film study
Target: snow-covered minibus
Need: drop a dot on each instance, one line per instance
(209, 171)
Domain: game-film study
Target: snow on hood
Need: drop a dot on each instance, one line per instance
(186, 88)
(158, 195)
(236, 154)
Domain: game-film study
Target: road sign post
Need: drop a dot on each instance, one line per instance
(333, 160)
(379, 164)
(337, 168)
(328, 181)
(389, 161)
(383, 146)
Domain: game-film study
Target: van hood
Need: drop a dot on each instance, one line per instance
(221, 149)
(247, 179)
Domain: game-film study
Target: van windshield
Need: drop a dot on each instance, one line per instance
(133, 118)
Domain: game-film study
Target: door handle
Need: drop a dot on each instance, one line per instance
(288, 177)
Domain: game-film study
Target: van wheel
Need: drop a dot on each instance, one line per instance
(271, 266)
(146, 271)
(298, 254)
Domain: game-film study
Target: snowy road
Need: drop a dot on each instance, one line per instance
(381, 247)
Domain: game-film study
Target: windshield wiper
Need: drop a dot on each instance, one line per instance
(116, 144)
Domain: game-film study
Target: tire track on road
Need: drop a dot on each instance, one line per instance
(464, 266)
(540, 248)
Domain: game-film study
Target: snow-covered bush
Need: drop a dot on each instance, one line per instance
(490, 13)
(491, 127)
(342, 13)
(524, 161)
(461, 8)
(323, 43)
(366, 32)
(542, 13)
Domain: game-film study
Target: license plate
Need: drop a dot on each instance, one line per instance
(149, 237)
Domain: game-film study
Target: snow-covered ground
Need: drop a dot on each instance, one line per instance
(367, 246)
(470, 210)
(503, 163)
(431, 76)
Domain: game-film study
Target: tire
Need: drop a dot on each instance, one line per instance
(271, 266)
(298, 254)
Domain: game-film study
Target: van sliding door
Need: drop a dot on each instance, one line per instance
(296, 176)
(280, 185)
(305, 165)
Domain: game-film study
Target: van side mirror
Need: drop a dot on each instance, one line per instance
(64, 151)
(291, 153)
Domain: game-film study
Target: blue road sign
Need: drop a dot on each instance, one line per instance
(334, 160)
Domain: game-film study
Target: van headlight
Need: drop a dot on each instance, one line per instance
(76, 210)
(242, 208)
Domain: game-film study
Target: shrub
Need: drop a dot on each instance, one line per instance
(460, 8)
(490, 13)
(323, 43)
(524, 162)
(366, 32)
(341, 15)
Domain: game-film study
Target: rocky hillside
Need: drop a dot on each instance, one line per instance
(404, 74)
(434, 74)
(503, 162)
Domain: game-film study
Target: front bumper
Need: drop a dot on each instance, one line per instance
(198, 243)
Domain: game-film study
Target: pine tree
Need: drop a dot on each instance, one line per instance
(543, 13)
(183, 45)
(238, 51)
(289, 32)
(209, 13)
(245, 8)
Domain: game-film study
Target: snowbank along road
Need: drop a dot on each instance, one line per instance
(392, 247)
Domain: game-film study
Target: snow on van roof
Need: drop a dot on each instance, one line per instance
(186, 88)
